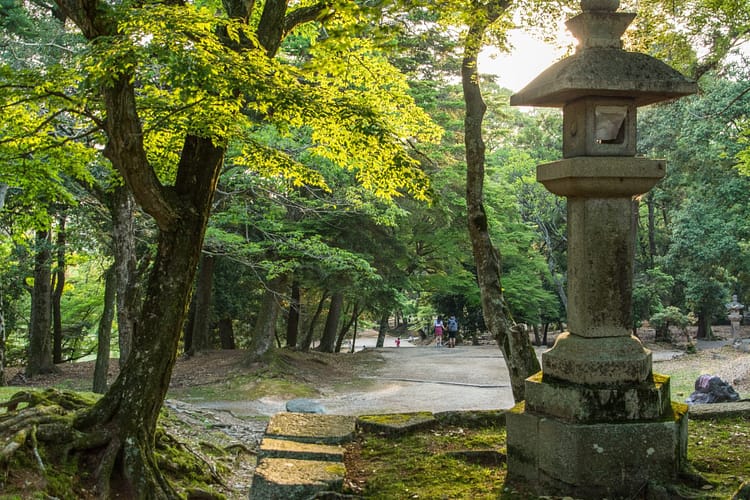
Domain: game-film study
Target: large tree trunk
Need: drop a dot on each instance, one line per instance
(57, 292)
(121, 207)
(328, 339)
(40, 341)
(265, 326)
(128, 412)
(104, 331)
(122, 424)
(201, 324)
(704, 326)
(513, 342)
(292, 322)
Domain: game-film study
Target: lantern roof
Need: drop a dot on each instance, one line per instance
(600, 68)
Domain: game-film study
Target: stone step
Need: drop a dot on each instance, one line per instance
(283, 448)
(311, 428)
(396, 424)
(285, 478)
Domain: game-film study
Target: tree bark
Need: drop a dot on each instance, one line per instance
(307, 341)
(704, 326)
(124, 419)
(514, 343)
(3, 337)
(226, 333)
(328, 339)
(128, 412)
(57, 292)
(121, 207)
(292, 322)
(347, 326)
(40, 341)
(104, 331)
(265, 326)
(382, 329)
(201, 335)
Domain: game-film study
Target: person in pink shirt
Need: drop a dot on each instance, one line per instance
(439, 328)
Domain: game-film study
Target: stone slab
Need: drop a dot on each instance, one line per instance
(283, 448)
(601, 460)
(396, 424)
(648, 400)
(284, 479)
(312, 428)
(720, 410)
(597, 361)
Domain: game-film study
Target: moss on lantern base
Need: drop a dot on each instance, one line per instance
(595, 460)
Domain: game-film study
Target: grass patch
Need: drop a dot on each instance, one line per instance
(425, 464)
(422, 465)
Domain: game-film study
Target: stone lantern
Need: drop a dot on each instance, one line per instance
(597, 422)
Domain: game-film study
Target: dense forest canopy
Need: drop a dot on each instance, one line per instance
(182, 176)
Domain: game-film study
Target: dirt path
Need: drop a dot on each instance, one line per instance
(413, 379)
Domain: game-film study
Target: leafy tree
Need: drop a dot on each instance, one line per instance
(702, 198)
(177, 85)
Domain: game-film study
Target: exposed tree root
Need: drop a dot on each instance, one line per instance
(40, 433)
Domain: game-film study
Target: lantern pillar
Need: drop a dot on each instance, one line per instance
(597, 422)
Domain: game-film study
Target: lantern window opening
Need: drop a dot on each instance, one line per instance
(610, 124)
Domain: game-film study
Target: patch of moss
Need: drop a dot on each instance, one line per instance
(422, 465)
(396, 418)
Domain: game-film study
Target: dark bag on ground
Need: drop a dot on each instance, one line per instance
(712, 389)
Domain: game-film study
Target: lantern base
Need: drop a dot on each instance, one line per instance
(594, 460)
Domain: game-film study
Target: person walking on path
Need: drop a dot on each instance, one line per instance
(439, 327)
(452, 331)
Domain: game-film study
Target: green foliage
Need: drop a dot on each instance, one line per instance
(651, 290)
(669, 316)
(701, 229)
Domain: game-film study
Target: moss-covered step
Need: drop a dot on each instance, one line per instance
(311, 428)
(472, 419)
(719, 410)
(396, 424)
(284, 478)
(283, 448)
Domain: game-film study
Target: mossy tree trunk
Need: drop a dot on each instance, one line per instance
(120, 427)
(128, 412)
(40, 333)
(514, 343)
